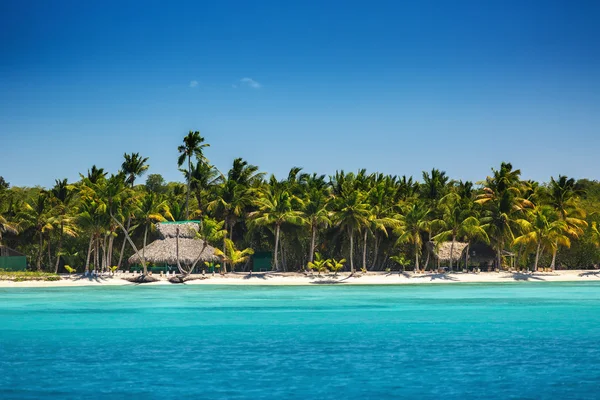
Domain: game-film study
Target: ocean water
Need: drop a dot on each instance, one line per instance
(459, 341)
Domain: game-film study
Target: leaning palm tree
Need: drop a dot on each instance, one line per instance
(563, 198)
(275, 208)
(544, 230)
(193, 145)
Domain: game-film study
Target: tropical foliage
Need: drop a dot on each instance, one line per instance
(374, 221)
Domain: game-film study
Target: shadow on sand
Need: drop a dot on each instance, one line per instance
(524, 276)
(590, 273)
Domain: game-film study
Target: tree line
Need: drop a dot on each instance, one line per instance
(372, 220)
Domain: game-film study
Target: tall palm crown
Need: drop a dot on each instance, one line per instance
(503, 204)
(134, 166)
(193, 145)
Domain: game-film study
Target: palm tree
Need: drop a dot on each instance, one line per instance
(36, 215)
(316, 209)
(232, 255)
(61, 197)
(203, 179)
(545, 230)
(244, 174)
(563, 196)
(193, 145)
(503, 205)
(133, 166)
(275, 208)
(230, 204)
(95, 174)
(351, 214)
(413, 223)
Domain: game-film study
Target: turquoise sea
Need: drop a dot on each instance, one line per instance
(458, 341)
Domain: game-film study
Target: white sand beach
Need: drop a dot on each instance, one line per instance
(284, 279)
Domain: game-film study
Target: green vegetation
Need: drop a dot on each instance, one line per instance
(374, 221)
(22, 276)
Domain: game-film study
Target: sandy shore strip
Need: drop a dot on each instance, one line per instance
(298, 279)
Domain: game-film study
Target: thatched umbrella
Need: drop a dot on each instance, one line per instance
(441, 251)
(164, 249)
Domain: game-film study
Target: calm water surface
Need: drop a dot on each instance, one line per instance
(458, 341)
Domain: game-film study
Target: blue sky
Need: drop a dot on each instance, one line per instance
(395, 87)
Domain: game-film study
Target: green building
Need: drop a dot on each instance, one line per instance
(12, 260)
(261, 261)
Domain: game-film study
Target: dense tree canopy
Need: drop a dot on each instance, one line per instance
(371, 220)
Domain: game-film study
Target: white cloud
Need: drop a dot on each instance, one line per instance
(250, 83)
(193, 84)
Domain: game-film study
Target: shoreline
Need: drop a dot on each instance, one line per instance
(299, 279)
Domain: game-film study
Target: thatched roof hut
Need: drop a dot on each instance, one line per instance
(164, 249)
(441, 251)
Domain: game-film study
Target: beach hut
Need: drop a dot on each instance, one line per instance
(12, 260)
(484, 256)
(162, 253)
(441, 252)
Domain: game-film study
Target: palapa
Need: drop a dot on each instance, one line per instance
(442, 250)
(164, 249)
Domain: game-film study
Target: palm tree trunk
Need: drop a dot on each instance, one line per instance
(416, 256)
(428, 253)
(537, 256)
(105, 252)
(144, 248)
(187, 194)
(375, 252)
(452, 251)
(224, 266)
(553, 264)
(276, 266)
(96, 251)
(124, 241)
(467, 256)
(232, 267)
(351, 231)
(499, 257)
(89, 253)
(49, 254)
(59, 248)
(313, 237)
(282, 254)
(364, 258)
(39, 259)
(111, 240)
(120, 225)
